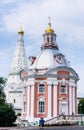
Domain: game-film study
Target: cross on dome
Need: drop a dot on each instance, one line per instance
(49, 29)
(49, 23)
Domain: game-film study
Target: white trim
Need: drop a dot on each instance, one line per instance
(44, 107)
(32, 101)
(55, 101)
(41, 98)
(74, 99)
(70, 100)
(28, 101)
(44, 88)
(72, 82)
(49, 100)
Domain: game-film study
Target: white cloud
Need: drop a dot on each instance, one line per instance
(8, 1)
(65, 15)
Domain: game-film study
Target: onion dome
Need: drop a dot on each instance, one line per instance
(21, 32)
(49, 29)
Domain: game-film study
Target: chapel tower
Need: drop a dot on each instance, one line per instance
(14, 86)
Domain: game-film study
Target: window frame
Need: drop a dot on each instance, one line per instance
(63, 89)
(41, 88)
(41, 106)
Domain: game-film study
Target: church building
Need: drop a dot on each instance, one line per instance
(46, 87)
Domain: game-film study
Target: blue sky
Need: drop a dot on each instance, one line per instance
(67, 18)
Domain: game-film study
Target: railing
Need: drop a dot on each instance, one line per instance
(58, 120)
(22, 122)
(65, 119)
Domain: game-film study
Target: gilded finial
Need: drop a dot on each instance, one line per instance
(49, 29)
(20, 29)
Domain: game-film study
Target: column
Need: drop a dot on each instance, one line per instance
(55, 100)
(49, 101)
(70, 100)
(32, 101)
(74, 99)
(28, 102)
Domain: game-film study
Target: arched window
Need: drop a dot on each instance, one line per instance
(63, 89)
(14, 101)
(41, 88)
(63, 106)
(51, 39)
(41, 106)
(24, 106)
(48, 39)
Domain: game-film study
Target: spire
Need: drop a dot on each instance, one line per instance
(19, 60)
(49, 29)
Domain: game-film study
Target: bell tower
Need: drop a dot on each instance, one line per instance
(49, 38)
(14, 87)
(19, 60)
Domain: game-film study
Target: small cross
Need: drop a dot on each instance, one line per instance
(49, 19)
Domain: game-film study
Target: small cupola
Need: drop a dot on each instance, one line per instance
(20, 35)
(20, 31)
(49, 38)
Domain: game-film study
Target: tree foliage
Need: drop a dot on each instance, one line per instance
(2, 81)
(81, 106)
(2, 94)
(7, 113)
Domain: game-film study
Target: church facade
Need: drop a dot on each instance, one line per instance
(47, 87)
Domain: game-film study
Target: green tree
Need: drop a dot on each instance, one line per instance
(2, 94)
(2, 81)
(81, 106)
(7, 113)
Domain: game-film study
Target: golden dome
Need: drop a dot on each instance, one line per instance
(21, 31)
(49, 29)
